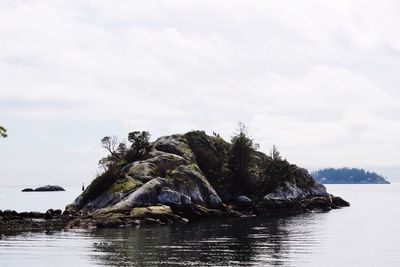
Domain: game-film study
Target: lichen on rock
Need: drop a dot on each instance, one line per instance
(187, 175)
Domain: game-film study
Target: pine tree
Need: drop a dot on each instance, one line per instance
(240, 159)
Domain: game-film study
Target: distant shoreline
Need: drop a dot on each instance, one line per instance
(348, 176)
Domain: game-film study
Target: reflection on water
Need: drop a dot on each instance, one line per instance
(245, 241)
(231, 242)
(366, 234)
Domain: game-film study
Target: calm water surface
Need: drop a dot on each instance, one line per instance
(366, 234)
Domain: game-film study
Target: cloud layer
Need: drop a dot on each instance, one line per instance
(317, 78)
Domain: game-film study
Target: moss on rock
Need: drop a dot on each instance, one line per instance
(124, 184)
(192, 167)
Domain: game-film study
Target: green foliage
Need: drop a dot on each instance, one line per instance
(140, 145)
(126, 183)
(107, 162)
(111, 164)
(275, 154)
(276, 171)
(241, 160)
(211, 154)
(116, 149)
(3, 132)
(100, 184)
(139, 140)
(119, 152)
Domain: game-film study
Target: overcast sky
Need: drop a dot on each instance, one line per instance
(317, 78)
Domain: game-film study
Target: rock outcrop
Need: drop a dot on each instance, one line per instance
(182, 177)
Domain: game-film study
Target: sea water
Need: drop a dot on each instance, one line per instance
(365, 234)
(12, 197)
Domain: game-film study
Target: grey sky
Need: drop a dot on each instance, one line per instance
(317, 78)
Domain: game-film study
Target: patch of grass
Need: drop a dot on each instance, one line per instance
(124, 184)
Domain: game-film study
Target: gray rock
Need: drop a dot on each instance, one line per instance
(146, 195)
(153, 167)
(277, 194)
(104, 200)
(185, 200)
(318, 190)
(292, 192)
(168, 196)
(214, 201)
(243, 200)
(174, 144)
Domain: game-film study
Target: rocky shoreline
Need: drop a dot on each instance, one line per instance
(12, 221)
(181, 179)
(53, 220)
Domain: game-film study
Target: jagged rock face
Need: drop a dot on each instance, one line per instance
(169, 176)
(177, 171)
(158, 165)
(101, 201)
(289, 191)
(175, 144)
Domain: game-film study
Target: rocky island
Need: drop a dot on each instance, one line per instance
(186, 177)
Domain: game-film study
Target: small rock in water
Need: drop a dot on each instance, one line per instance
(47, 188)
(27, 190)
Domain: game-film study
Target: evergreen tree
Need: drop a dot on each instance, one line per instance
(140, 145)
(240, 160)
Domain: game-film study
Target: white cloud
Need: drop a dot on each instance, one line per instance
(317, 78)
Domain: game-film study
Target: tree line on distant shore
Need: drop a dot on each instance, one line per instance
(348, 175)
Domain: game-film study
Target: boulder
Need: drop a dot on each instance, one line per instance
(174, 144)
(292, 192)
(318, 190)
(168, 196)
(10, 214)
(243, 201)
(277, 194)
(49, 214)
(340, 202)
